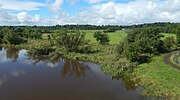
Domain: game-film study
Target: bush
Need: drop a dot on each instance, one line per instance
(169, 42)
(102, 38)
(40, 50)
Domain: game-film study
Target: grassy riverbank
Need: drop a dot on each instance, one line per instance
(158, 78)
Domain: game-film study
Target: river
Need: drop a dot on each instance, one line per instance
(23, 77)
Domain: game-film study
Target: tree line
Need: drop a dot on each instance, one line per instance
(163, 27)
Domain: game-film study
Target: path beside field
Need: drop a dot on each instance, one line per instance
(168, 61)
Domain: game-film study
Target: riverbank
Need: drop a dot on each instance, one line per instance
(158, 78)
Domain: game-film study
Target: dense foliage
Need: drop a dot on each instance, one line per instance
(18, 35)
(141, 44)
(10, 37)
(177, 32)
(72, 42)
(169, 43)
(102, 38)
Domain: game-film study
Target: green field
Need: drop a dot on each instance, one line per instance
(158, 78)
(115, 37)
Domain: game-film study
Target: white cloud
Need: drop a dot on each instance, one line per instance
(93, 1)
(55, 6)
(24, 19)
(72, 2)
(20, 5)
(134, 12)
(21, 18)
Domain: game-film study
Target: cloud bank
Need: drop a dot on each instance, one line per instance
(105, 13)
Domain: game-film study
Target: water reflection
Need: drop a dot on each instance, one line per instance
(13, 73)
(12, 53)
(73, 68)
(128, 83)
(1, 48)
(51, 61)
(56, 78)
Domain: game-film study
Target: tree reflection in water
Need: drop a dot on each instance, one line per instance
(73, 68)
(37, 59)
(1, 48)
(12, 53)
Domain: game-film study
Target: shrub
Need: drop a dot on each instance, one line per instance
(102, 38)
(40, 50)
(169, 42)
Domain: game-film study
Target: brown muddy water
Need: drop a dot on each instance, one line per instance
(23, 77)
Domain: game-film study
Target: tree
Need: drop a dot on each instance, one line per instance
(102, 38)
(1, 36)
(72, 42)
(177, 32)
(141, 44)
(10, 37)
(110, 29)
(169, 42)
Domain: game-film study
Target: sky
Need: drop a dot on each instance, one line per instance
(93, 12)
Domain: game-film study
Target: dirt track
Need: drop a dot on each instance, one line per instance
(168, 61)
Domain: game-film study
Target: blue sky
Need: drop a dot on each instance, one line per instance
(96, 12)
(70, 8)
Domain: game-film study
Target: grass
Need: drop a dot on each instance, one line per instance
(168, 35)
(115, 37)
(158, 78)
